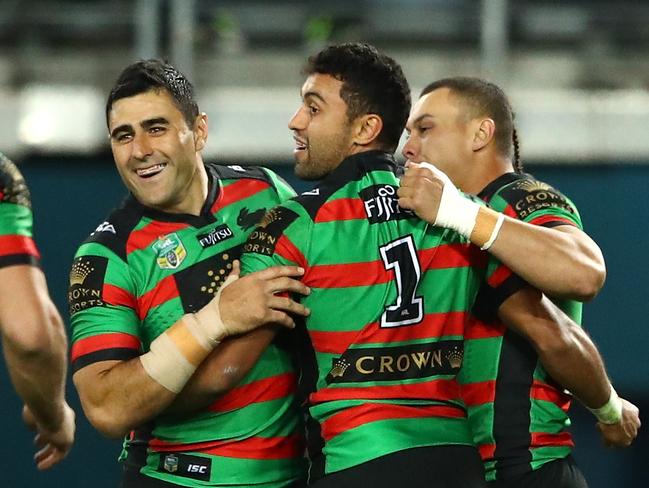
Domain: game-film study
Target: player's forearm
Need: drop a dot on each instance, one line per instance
(562, 262)
(118, 396)
(38, 367)
(579, 368)
(223, 369)
(565, 350)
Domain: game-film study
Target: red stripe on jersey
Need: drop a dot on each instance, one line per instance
(373, 412)
(346, 275)
(543, 391)
(544, 439)
(341, 209)
(140, 239)
(452, 256)
(487, 451)
(1, 195)
(373, 272)
(165, 290)
(15, 244)
(477, 329)
(432, 326)
(258, 391)
(554, 219)
(114, 295)
(511, 212)
(499, 276)
(238, 191)
(112, 340)
(289, 251)
(429, 390)
(251, 448)
(478, 393)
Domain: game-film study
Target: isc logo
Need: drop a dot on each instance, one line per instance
(196, 468)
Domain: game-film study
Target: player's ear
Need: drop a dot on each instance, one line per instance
(484, 133)
(200, 131)
(366, 129)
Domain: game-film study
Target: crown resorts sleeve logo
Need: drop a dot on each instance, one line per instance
(170, 251)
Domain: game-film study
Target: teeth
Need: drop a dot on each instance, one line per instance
(151, 170)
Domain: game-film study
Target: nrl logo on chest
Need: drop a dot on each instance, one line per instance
(170, 251)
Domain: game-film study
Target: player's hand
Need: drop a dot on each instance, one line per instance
(249, 302)
(625, 431)
(421, 190)
(53, 445)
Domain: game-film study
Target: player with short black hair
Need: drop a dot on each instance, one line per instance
(154, 294)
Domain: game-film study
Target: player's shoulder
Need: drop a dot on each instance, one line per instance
(239, 172)
(235, 172)
(114, 231)
(13, 188)
(525, 193)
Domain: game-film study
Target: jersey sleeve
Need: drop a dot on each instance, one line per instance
(103, 308)
(281, 238)
(536, 203)
(17, 245)
(533, 202)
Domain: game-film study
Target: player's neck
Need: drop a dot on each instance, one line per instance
(195, 195)
(486, 171)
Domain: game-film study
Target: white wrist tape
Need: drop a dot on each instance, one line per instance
(494, 233)
(478, 223)
(175, 354)
(455, 211)
(611, 412)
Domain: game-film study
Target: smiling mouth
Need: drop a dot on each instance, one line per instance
(299, 145)
(151, 170)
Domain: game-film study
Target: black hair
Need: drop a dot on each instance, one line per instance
(155, 74)
(373, 83)
(483, 98)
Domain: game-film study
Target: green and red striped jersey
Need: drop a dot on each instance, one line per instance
(518, 414)
(134, 277)
(389, 302)
(16, 243)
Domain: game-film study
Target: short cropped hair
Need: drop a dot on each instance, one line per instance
(155, 74)
(373, 83)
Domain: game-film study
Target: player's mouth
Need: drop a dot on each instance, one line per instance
(300, 145)
(150, 171)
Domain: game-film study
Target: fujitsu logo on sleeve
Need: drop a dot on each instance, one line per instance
(382, 204)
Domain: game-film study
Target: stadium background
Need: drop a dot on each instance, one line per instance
(577, 73)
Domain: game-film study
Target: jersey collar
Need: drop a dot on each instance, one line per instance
(356, 166)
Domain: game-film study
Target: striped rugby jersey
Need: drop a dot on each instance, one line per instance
(518, 414)
(16, 241)
(390, 299)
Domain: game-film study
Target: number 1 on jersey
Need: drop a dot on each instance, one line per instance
(401, 256)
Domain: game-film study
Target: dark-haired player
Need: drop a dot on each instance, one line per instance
(149, 308)
(517, 411)
(33, 337)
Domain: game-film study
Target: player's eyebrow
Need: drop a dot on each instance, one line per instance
(314, 94)
(121, 128)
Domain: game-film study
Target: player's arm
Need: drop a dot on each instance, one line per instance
(567, 263)
(223, 369)
(118, 396)
(572, 359)
(35, 345)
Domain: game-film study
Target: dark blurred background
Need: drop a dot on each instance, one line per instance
(577, 73)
